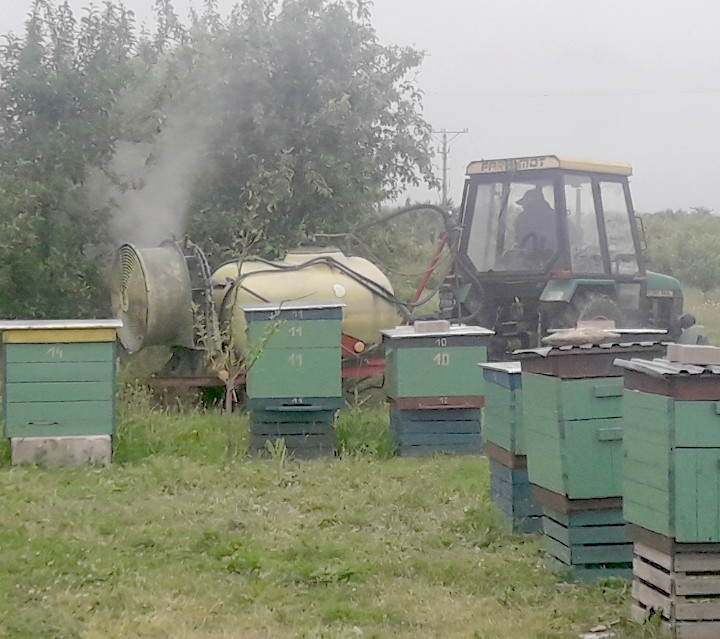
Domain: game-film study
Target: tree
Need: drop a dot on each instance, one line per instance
(58, 85)
(684, 244)
(309, 120)
(278, 121)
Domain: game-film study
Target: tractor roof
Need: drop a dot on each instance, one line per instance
(538, 162)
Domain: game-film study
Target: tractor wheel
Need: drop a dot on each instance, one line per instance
(590, 306)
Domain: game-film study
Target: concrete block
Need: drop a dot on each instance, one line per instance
(604, 324)
(53, 452)
(698, 354)
(432, 326)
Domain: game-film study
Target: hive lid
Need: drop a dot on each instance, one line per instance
(502, 367)
(292, 306)
(663, 368)
(403, 332)
(53, 324)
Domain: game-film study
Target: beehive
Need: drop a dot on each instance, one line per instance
(573, 409)
(294, 386)
(434, 387)
(672, 449)
(504, 445)
(59, 390)
(573, 417)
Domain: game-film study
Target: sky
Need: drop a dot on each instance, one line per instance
(633, 81)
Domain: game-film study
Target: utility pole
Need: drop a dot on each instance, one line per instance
(444, 152)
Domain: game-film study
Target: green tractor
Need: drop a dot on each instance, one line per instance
(548, 241)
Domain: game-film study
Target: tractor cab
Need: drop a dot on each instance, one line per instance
(547, 241)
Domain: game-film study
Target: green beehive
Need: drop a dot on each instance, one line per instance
(573, 418)
(434, 364)
(672, 449)
(59, 389)
(298, 353)
(503, 418)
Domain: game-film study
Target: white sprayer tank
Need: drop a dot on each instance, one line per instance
(304, 276)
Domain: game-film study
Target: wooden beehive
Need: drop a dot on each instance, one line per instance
(573, 417)
(672, 449)
(434, 387)
(504, 445)
(294, 387)
(59, 389)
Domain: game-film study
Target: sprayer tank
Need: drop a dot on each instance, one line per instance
(308, 276)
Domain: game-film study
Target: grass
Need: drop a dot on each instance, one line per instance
(171, 541)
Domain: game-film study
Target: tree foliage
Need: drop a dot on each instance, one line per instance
(313, 121)
(58, 87)
(258, 129)
(685, 244)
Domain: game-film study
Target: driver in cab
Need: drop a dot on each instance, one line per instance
(535, 225)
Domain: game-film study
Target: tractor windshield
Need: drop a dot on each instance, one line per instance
(513, 226)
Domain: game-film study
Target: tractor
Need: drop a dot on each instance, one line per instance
(547, 241)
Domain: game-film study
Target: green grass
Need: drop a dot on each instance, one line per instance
(172, 541)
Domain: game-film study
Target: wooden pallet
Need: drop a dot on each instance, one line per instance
(590, 544)
(425, 432)
(511, 492)
(682, 586)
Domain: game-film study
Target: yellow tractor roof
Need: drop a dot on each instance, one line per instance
(537, 162)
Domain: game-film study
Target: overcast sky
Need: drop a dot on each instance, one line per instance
(636, 81)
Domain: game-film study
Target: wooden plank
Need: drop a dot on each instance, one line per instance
(584, 535)
(592, 467)
(697, 562)
(652, 555)
(60, 372)
(313, 372)
(602, 554)
(506, 457)
(436, 428)
(27, 392)
(609, 517)
(707, 584)
(697, 489)
(652, 575)
(651, 598)
(561, 504)
(281, 430)
(60, 418)
(448, 415)
(557, 549)
(440, 439)
(699, 425)
(703, 610)
(60, 335)
(591, 398)
(293, 334)
(697, 630)
(450, 402)
(409, 450)
(59, 352)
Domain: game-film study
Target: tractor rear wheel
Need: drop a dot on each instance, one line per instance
(589, 306)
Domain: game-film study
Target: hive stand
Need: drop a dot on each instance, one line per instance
(434, 387)
(294, 387)
(59, 390)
